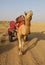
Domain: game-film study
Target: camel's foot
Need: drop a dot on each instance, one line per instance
(20, 53)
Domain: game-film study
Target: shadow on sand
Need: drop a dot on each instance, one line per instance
(5, 45)
(4, 48)
(38, 35)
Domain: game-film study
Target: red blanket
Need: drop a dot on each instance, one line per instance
(20, 23)
(12, 26)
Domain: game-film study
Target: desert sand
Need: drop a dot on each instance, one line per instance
(34, 49)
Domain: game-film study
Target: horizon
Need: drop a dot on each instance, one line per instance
(10, 9)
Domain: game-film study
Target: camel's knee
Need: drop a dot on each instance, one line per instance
(19, 45)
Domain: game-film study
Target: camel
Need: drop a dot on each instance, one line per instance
(24, 30)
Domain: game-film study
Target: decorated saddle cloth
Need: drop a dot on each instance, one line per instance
(20, 21)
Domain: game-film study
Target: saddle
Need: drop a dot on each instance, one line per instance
(20, 21)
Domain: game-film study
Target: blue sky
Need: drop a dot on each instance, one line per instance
(10, 9)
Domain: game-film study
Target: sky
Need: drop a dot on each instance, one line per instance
(10, 9)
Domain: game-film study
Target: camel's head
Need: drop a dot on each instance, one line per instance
(28, 15)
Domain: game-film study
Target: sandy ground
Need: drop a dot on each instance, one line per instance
(34, 49)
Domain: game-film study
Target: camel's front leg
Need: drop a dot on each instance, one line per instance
(23, 41)
(20, 44)
(20, 47)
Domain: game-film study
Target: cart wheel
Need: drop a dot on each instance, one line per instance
(10, 38)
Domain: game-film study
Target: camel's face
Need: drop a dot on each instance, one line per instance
(28, 15)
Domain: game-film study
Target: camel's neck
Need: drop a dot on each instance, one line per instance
(27, 22)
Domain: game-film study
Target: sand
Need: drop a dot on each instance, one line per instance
(34, 49)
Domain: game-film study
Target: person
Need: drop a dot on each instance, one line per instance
(11, 27)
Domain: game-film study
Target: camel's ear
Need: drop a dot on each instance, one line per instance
(25, 13)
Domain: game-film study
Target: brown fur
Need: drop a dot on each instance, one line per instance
(24, 30)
